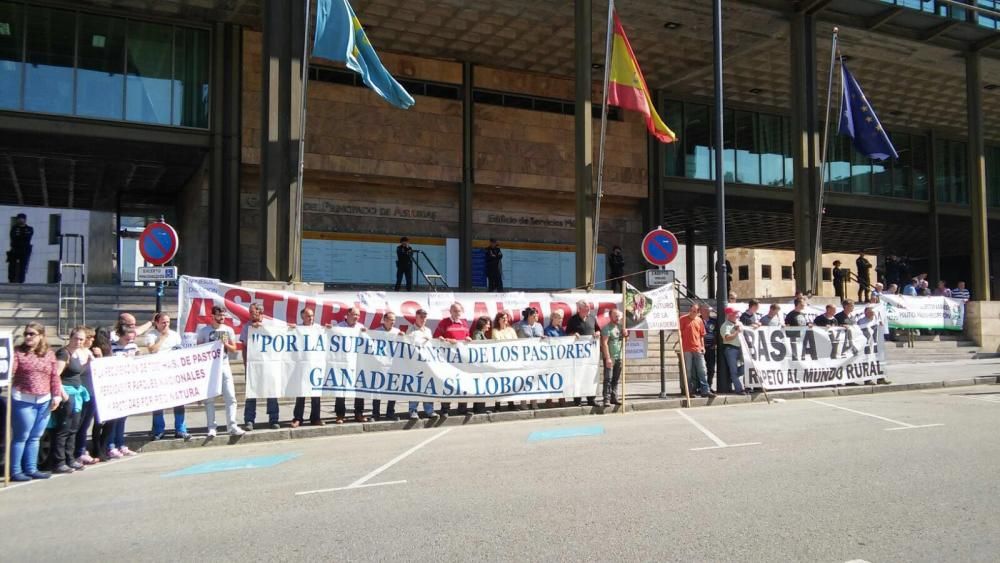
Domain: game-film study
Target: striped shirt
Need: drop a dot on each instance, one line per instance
(961, 294)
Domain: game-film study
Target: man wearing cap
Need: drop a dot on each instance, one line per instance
(404, 264)
(494, 267)
(20, 249)
(730, 334)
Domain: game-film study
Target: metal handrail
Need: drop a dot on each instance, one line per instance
(420, 270)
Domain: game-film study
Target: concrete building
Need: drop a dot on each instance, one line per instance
(190, 109)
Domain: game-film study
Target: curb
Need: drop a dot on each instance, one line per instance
(144, 444)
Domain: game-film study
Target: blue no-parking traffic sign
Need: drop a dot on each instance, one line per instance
(158, 243)
(659, 247)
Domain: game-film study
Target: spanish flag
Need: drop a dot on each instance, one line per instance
(627, 88)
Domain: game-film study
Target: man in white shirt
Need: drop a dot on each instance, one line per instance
(421, 335)
(389, 327)
(308, 316)
(340, 406)
(211, 333)
(161, 339)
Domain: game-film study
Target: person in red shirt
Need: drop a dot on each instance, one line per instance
(453, 329)
(693, 344)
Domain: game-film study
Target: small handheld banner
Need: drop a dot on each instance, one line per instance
(6, 377)
(651, 310)
(125, 385)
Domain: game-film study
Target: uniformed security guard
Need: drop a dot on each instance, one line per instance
(20, 249)
(494, 269)
(404, 264)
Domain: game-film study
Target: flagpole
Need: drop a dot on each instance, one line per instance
(600, 150)
(822, 159)
(300, 188)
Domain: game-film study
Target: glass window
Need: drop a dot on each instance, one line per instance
(673, 116)
(861, 172)
(744, 273)
(765, 272)
(827, 274)
(902, 169)
(190, 78)
(957, 172)
(48, 79)
(100, 74)
(882, 174)
(747, 151)
(149, 60)
(993, 176)
(728, 146)
(786, 272)
(838, 170)
(772, 167)
(11, 54)
(921, 180)
(698, 142)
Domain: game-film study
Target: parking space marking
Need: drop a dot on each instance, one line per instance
(708, 433)
(239, 464)
(993, 398)
(360, 483)
(900, 425)
(575, 432)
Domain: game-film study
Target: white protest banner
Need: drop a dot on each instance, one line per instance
(125, 386)
(341, 362)
(931, 312)
(197, 296)
(651, 310)
(794, 357)
(6, 358)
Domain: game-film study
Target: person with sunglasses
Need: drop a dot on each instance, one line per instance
(36, 391)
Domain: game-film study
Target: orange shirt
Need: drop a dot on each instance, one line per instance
(692, 334)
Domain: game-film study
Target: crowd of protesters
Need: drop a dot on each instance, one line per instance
(52, 390)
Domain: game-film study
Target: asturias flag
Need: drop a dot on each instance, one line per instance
(340, 37)
(627, 88)
(859, 122)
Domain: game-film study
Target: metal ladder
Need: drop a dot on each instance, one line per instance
(72, 283)
(435, 280)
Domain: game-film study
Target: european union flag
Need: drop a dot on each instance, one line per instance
(340, 37)
(859, 122)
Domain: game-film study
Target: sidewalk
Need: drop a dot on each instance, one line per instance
(639, 396)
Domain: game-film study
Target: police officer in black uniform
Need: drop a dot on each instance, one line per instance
(404, 263)
(20, 249)
(494, 274)
(616, 268)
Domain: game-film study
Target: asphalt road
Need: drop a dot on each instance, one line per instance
(839, 479)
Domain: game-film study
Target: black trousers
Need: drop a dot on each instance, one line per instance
(864, 290)
(404, 272)
(340, 407)
(86, 421)
(63, 446)
(17, 265)
(390, 409)
(300, 409)
(494, 280)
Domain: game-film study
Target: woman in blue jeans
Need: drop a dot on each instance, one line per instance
(35, 392)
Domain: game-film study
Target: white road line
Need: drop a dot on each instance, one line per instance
(902, 425)
(361, 482)
(20, 484)
(718, 441)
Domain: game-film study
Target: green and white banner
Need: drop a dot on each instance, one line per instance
(938, 313)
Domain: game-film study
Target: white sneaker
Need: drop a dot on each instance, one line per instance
(211, 433)
(235, 430)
